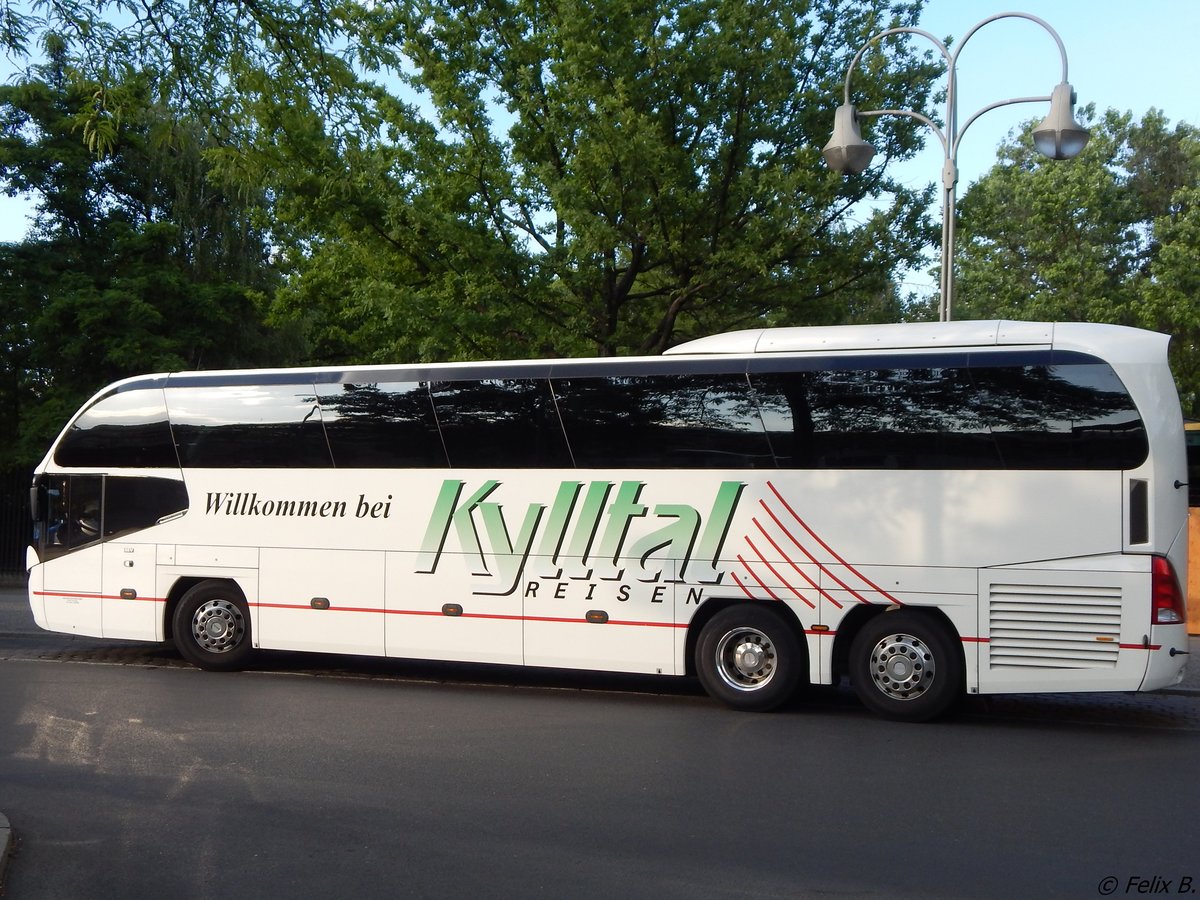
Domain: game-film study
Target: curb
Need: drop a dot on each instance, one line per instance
(5, 847)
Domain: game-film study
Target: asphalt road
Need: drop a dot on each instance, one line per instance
(126, 773)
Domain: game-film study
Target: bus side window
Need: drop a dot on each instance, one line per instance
(127, 429)
(996, 413)
(381, 425)
(1072, 415)
(500, 422)
(248, 426)
(132, 503)
(663, 421)
(787, 417)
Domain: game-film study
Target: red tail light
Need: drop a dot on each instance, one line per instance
(1166, 599)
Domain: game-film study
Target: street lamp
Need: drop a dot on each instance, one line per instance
(1059, 136)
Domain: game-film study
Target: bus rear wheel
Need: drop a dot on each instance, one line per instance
(906, 666)
(749, 658)
(211, 626)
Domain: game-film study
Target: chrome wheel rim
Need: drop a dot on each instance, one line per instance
(746, 659)
(218, 626)
(902, 666)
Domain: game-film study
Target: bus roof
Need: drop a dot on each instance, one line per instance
(1112, 341)
(911, 336)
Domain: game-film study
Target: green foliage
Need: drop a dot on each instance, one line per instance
(136, 263)
(1112, 236)
(455, 178)
(600, 178)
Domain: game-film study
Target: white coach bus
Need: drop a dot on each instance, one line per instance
(932, 510)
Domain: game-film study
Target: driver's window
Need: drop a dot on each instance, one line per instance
(73, 511)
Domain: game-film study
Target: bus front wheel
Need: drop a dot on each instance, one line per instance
(749, 658)
(212, 627)
(906, 666)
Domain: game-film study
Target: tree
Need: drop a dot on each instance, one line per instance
(601, 201)
(1112, 236)
(136, 263)
(509, 177)
(1172, 288)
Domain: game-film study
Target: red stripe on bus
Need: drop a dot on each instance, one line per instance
(609, 622)
(82, 596)
(983, 640)
(466, 615)
(308, 606)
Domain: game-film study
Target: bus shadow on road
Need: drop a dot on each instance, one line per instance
(1161, 710)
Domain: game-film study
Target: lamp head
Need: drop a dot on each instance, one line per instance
(846, 152)
(1060, 136)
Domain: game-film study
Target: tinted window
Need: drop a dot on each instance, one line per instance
(663, 421)
(131, 504)
(73, 512)
(1061, 417)
(1074, 416)
(875, 419)
(248, 425)
(381, 425)
(509, 422)
(124, 430)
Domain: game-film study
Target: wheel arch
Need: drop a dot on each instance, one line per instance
(858, 617)
(182, 585)
(711, 607)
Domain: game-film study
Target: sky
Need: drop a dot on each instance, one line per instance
(1129, 55)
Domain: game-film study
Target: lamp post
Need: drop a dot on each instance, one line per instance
(1059, 136)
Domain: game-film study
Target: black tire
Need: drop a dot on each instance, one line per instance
(750, 658)
(211, 627)
(907, 666)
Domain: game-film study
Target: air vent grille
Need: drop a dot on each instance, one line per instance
(1054, 626)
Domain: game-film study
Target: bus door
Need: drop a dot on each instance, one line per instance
(133, 505)
(1061, 630)
(130, 607)
(69, 533)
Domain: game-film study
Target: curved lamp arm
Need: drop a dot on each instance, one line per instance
(1059, 136)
